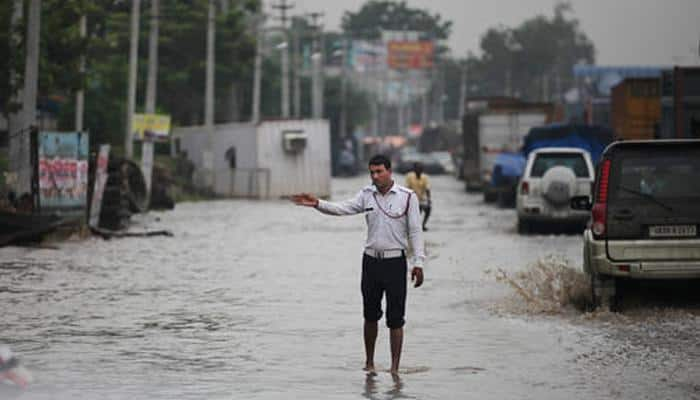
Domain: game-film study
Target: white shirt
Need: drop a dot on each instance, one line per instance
(389, 225)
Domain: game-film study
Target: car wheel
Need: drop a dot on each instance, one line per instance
(603, 292)
(489, 197)
(503, 200)
(523, 226)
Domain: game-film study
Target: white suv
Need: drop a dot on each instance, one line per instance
(552, 176)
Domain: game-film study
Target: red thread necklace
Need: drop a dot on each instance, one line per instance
(405, 210)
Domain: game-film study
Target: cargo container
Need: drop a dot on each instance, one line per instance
(680, 103)
(636, 108)
(267, 160)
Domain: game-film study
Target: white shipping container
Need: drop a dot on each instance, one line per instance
(272, 159)
(297, 154)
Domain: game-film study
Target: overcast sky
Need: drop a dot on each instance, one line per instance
(625, 32)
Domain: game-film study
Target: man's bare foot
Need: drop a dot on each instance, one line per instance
(369, 368)
(394, 371)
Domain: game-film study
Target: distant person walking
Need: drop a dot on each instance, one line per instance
(393, 221)
(417, 181)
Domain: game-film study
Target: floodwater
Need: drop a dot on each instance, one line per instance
(261, 300)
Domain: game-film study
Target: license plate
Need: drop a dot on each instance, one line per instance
(672, 230)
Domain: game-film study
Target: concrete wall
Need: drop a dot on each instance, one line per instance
(227, 182)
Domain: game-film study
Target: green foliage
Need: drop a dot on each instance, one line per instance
(182, 59)
(357, 105)
(375, 16)
(540, 48)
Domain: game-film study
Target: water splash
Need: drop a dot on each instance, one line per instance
(550, 285)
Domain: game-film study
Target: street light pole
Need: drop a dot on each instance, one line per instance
(80, 95)
(257, 74)
(151, 86)
(283, 7)
(133, 64)
(343, 91)
(209, 92)
(317, 74)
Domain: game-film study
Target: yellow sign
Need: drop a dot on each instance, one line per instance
(151, 126)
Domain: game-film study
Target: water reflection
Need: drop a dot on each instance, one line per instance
(372, 390)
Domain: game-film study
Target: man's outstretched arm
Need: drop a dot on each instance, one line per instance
(346, 207)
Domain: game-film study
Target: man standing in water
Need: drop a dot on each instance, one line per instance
(393, 221)
(417, 181)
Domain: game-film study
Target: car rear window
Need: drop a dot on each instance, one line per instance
(661, 175)
(545, 161)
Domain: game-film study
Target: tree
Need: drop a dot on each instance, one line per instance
(375, 16)
(538, 53)
(181, 58)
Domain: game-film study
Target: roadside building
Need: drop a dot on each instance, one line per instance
(271, 159)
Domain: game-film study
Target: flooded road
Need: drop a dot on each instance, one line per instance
(261, 300)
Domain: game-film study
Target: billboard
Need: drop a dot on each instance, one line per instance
(63, 172)
(410, 54)
(366, 56)
(151, 126)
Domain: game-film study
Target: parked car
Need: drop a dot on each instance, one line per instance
(444, 158)
(431, 164)
(552, 177)
(644, 215)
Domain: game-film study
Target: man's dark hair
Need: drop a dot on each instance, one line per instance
(380, 159)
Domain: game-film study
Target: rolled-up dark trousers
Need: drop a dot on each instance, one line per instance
(380, 276)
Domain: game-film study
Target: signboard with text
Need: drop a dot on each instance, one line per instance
(63, 171)
(410, 54)
(151, 127)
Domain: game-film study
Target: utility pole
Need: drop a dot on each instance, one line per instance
(317, 75)
(15, 122)
(80, 95)
(209, 92)
(463, 89)
(31, 68)
(151, 85)
(133, 64)
(297, 73)
(20, 158)
(147, 143)
(343, 91)
(257, 74)
(283, 7)
(233, 103)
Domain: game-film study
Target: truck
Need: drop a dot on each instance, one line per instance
(508, 168)
(491, 127)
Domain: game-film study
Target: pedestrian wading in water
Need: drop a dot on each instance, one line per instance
(393, 222)
(418, 181)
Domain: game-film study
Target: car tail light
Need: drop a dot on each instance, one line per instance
(525, 188)
(600, 208)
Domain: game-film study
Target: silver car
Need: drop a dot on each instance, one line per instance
(644, 215)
